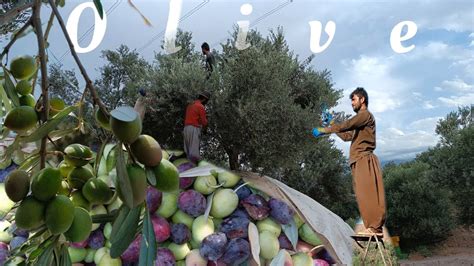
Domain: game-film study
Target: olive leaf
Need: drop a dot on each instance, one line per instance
(4, 100)
(209, 205)
(123, 181)
(254, 242)
(49, 126)
(125, 232)
(291, 231)
(64, 259)
(100, 9)
(30, 162)
(111, 160)
(280, 258)
(148, 244)
(10, 89)
(150, 175)
(98, 158)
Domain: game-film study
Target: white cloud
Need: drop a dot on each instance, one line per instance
(453, 16)
(395, 131)
(457, 85)
(464, 93)
(374, 74)
(460, 100)
(405, 146)
(394, 144)
(428, 105)
(425, 124)
(438, 50)
(417, 95)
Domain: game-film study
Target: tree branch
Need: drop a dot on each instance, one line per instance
(48, 28)
(15, 37)
(10, 14)
(89, 83)
(44, 74)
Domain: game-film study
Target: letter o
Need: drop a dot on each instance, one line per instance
(73, 23)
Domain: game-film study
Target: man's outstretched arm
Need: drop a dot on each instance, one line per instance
(357, 121)
(345, 136)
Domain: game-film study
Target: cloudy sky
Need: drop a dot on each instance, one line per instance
(408, 92)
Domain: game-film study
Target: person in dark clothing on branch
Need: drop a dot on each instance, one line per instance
(195, 122)
(365, 166)
(210, 61)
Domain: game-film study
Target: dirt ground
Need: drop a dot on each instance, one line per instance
(458, 249)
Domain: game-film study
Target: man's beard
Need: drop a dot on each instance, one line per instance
(356, 108)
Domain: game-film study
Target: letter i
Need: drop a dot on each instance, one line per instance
(172, 26)
(244, 25)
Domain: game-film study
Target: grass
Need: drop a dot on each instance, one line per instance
(373, 256)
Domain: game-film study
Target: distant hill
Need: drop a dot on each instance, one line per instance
(396, 161)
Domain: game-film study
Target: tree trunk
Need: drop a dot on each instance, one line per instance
(233, 159)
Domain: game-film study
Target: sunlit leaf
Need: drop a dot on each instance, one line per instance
(4, 101)
(254, 242)
(124, 113)
(10, 89)
(209, 205)
(147, 22)
(49, 126)
(30, 162)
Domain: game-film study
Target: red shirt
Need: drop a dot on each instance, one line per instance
(195, 115)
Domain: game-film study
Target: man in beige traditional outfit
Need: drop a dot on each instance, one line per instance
(140, 104)
(365, 166)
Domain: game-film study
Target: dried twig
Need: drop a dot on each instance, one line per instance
(14, 38)
(10, 14)
(44, 74)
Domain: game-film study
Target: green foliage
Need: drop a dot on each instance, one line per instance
(63, 84)
(451, 160)
(323, 175)
(123, 74)
(264, 102)
(418, 209)
(450, 127)
(261, 122)
(175, 80)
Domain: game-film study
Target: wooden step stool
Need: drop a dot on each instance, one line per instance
(377, 239)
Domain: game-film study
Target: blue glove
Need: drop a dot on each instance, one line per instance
(326, 118)
(318, 132)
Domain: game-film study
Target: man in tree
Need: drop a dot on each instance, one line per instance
(365, 166)
(194, 122)
(140, 104)
(210, 60)
(143, 104)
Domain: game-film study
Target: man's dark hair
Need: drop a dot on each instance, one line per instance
(361, 92)
(205, 95)
(205, 46)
